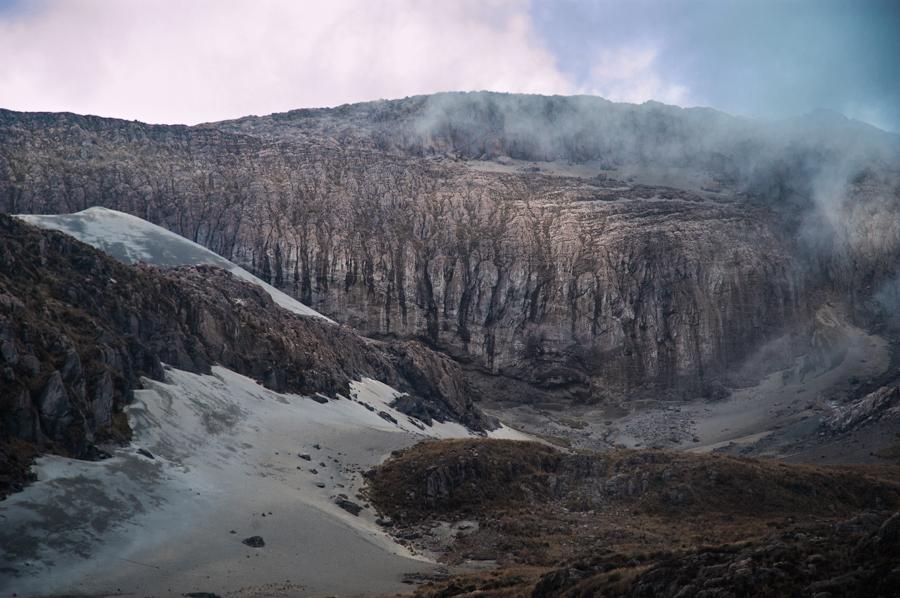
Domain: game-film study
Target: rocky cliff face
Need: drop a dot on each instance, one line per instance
(637, 248)
(78, 329)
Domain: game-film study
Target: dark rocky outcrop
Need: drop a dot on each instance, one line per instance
(78, 329)
(883, 403)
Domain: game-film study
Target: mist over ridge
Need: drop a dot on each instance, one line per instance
(808, 168)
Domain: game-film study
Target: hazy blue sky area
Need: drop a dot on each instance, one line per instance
(766, 57)
(200, 60)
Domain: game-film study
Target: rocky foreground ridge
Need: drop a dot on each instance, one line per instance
(640, 523)
(78, 330)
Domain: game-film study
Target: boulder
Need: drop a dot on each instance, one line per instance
(254, 541)
(102, 401)
(8, 352)
(884, 402)
(348, 505)
(53, 404)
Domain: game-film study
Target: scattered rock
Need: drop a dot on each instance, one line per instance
(254, 541)
(387, 417)
(348, 505)
(884, 402)
(439, 574)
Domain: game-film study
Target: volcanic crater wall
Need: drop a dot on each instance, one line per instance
(583, 285)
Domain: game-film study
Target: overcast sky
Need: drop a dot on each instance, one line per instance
(191, 61)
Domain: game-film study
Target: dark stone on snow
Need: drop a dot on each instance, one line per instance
(348, 505)
(254, 541)
(387, 417)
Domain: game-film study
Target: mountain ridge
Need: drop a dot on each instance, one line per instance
(578, 248)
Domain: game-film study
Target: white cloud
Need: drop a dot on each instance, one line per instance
(630, 74)
(192, 61)
(199, 60)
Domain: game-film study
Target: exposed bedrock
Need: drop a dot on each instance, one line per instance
(584, 285)
(653, 293)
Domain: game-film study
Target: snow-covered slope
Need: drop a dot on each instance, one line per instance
(214, 459)
(131, 239)
(224, 454)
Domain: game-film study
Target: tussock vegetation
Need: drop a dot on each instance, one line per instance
(640, 523)
(459, 477)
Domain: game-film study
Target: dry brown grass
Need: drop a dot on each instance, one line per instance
(496, 475)
(539, 507)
